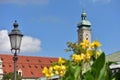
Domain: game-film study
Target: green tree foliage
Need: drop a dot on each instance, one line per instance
(10, 76)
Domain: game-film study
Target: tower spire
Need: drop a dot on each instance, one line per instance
(84, 30)
(83, 15)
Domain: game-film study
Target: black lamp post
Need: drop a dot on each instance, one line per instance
(15, 41)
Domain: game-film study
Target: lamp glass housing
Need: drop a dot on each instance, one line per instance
(15, 40)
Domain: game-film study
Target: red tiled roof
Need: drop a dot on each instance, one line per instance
(31, 66)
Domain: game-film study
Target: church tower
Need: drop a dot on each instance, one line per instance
(84, 30)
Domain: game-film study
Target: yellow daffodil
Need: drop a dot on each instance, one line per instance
(61, 60)
(76, 58)
(56, 68)
(48, 72)
(98, 53)
(89, 54)
(45, 69)
(85, 44)
(95, 44)
(60, 69)
(83, 56)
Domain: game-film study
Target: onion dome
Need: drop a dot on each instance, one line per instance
(84, 22)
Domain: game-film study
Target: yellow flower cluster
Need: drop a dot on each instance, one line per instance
(98, 53)
(58, 69)
(81, 57)
(61, 61)
(84, 52)
(86, 55)
(89, 54)
(48, 72)
(95, 44)
(86, 44)
(77, 58)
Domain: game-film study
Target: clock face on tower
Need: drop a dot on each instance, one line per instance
(80, 37)
(86, 35)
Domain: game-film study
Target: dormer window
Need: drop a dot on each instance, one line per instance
(39, 61)
(28, 60)
(9, 65)
(3, 65)
(20, 72)
(29, 66)
(50, 61)
(23, 66)
(32, 73)
(42, 67)
(2, 59)
(36, 66)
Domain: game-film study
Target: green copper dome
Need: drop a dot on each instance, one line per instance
(84, 22)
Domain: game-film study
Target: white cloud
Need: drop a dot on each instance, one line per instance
(29, 44)
(4, 41)
(25, 2)
(101, 1)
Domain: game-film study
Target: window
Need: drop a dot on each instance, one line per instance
(42, 67)
(50, 61)
(86, 34)
(3, 65)
(113, 71)
(20, 73)
(29, 66)
(2, 59)
(10, 65)
(23, 66)
(32, 73)
(86, 38)
(39, 61)
(28, 60)
(117, 70)
(36, 66)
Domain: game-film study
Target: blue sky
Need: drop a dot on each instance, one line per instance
(48, 25)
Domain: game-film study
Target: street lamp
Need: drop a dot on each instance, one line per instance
(15, 40)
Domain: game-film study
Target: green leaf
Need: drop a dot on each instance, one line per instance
(70, 72)
(77, 71)
(102, 75)
(89, 76)
(98, 65)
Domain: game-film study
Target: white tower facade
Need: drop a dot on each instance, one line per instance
(84, 30)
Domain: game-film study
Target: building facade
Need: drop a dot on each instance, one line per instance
(114, 57)
(28, 67)
(1, 69)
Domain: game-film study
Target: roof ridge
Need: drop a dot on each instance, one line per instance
(113, 53)
(28, 56)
